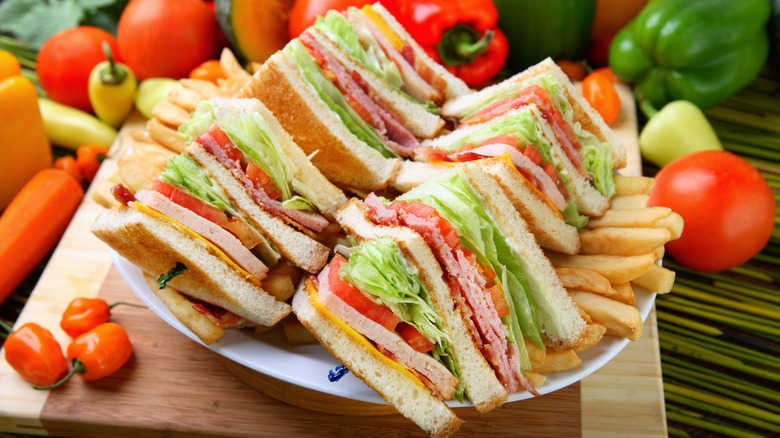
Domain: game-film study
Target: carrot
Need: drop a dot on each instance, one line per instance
(33, 223)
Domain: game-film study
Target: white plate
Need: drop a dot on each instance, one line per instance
(308, 365)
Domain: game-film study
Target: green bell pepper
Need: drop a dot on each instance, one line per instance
(538, 29)
(701, 51)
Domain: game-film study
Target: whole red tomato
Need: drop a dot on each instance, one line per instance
(304, 12)
(727, 206)
(163, 38)
(65, 61)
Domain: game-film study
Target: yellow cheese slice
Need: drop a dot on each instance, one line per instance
(313, 294)
(383, 27)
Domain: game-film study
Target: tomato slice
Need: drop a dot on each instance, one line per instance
(262, 180)
(508, 139)
(223, 142)
(356, 299)
(190, 202)
(533, 154)
(499, 300)
(550, 170)
(415, 339)
(429, 213)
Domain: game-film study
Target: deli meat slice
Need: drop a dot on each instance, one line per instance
(438, 378)
(297, 218)
(207, 229)
(387, 125)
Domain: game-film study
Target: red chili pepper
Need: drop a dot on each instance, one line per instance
(97, 353)
(461, 35)
(34, 353)
(84, 314)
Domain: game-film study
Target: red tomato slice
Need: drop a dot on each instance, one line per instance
(190, 202)
(262, 180)
(427, 212)
(414, 338)
(499, 299)
(356, 299)
(533, 154)
(508, 139)
(223, 141)
(550, 170)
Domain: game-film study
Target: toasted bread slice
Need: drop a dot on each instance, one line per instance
(156, 243)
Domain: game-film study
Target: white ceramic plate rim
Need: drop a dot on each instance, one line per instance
(308, 365)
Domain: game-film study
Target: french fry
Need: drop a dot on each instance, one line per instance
(622, 241)
(182, 309)
(260, 329)
(622, 202)
(633, 185)
(659, 252)
(165, 135)
(585, 279)
(624, 293)
(170, 114)
(619, 319)
(279, 286)
(657, 279)
(207, 89)
(185, 98)
(593, 335)
(536, 378)
(137, 170)
(644, 217)
(535, 353)
(233, 70)
(585, 317)
(295, 332)
(557, 361)
(674, 223)
(286, 268)
(617, 269)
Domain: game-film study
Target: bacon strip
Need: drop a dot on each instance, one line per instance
(537, 95)
(300, 219)
(469, 285)
(388, 126)
(435, 375)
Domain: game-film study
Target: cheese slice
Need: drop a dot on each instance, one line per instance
(349, 331)
(383, 27)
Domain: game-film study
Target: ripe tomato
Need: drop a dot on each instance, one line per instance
(162, 38)
(727, 206)
(304, 12)
(66, 60)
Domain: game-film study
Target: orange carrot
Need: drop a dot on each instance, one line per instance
(33, 223)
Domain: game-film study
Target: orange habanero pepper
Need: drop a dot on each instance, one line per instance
(34, 353)
(84, 314)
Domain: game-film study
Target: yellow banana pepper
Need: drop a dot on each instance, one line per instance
(111, 89)
(24, 149)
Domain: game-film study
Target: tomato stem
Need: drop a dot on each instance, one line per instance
(78, 367)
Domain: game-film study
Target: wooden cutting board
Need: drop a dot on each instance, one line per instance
(172, 386)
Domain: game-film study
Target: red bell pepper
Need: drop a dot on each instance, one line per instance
(461, 35)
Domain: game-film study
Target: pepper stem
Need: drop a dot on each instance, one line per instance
(78, 367)
(461, 44)
(113, 74)
(111, 306)
(647, 108)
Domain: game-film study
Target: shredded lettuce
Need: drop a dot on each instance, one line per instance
(185, 173)
(369, 54)
(298, 203)
(597, 160)
(547, 81)
(452, 196)
(312, 73)
(379, 269)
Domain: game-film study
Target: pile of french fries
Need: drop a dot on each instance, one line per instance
(619, 251)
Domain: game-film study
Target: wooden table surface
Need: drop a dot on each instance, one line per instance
(172, 386)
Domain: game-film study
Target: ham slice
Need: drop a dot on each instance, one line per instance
(226, 154)
(387, 125)
(207, 229)
(524, 164)
(435, 375)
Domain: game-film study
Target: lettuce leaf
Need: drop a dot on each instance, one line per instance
(312, 73)
(452, 196)
(370, 56)
(185, 173)
(547, 81)
(298, 203)
(597, 160)
(379, 269)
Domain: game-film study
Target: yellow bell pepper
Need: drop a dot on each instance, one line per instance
(25, 149)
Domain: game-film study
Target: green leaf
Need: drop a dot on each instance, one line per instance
(163, 279)
(43, 21)
(95, 4)
(12, 11)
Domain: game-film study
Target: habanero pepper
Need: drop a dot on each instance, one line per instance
(84, 314)
(33, 352)
(97, 353)
(463, 36)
